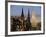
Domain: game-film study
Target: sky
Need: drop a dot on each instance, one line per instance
(16, 10)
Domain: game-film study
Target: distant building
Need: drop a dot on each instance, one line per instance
(34, 19)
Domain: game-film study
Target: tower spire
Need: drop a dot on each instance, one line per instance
(22, 15)
(28, 15)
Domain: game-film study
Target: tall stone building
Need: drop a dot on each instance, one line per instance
(28, 24)
(34, 19)
(22, 21)
(28, 18)
(22, 15)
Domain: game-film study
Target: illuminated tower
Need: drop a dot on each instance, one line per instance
(33, 19)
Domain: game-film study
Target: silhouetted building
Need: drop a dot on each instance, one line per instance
(28, 24)
(22, 15)
(28, 18)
